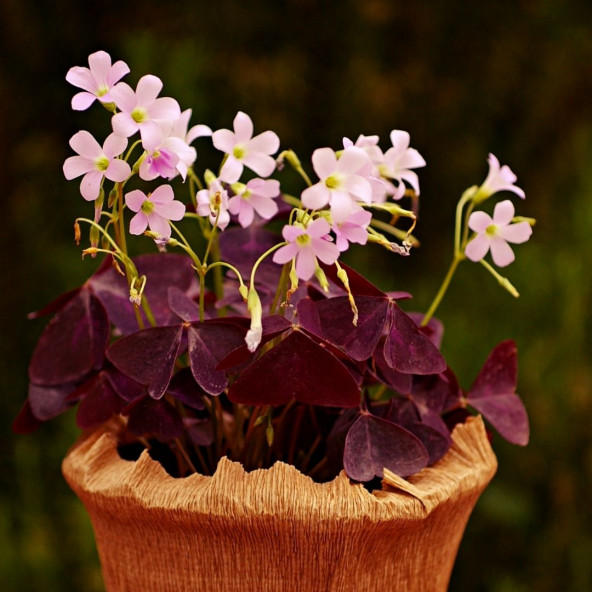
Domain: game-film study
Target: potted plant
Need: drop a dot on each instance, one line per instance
(241, 390)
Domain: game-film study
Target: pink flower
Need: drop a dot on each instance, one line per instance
(305, 245)
(95, 162)
(341, 184)
(496, 233)
(254, 197)
(213, 202)
(498, 179)
(154, 210)
(244, 150)
(166, 154)
(352, 230)
(97, 81)
(141, 110)
(398, 162)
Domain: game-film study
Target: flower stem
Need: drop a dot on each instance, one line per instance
(458, 257)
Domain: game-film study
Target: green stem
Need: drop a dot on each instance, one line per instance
(436, 302)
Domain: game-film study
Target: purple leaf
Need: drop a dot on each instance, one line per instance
(506, 413)
(55, 305)
(182, 305)
(47, 402)
(200, 431)
(208, 344)
(99, 402)
(157, 418)
(296, 368)
(358, 284)
(407, 349)
(148, 356)
(127, 388)
(335, 324)
(161, 270)
(243, 246)
(499, 372)
(399, 382)
(73, 343)
(184, 388)
(493, 394)
(434, 329)
(374, 444)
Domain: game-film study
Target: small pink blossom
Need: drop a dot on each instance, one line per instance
(256, 197)
(213, 202)
(398, 162)
(342, 182)
(244, 150)
(142, 110)
(95, 162)
(97, 81)
(305, 245)
(498, 179)
(352, 230)
(154, 210)
(166, 155)
(495, 234)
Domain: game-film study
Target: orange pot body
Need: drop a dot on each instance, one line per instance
(276, 530)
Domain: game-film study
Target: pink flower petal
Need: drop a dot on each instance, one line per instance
(82, 78)
(124, 97)
(232, 170)
(90, 185)
(134, 200)
(124, 125)
(359, 188)
(267, 142)
(243, 128)
(317, 228)
(246, 214)
(162, 194)
(306, 263)
(266, 207)
(400, 140)
(285, 254)
(114, 145)
(171, 211)
(82, 101)
(503, 213)
(316, 197)
(327, 252)
(85, 145)
(138, 223)
(159, 224)
(164, 108)
(501, 252)
(147, 89)
(352, 160)
(118, 71)
(74, 166)
(291, 233)
(477, 248)
(224, 140)
(479, 221)
(100, 64)
(516, 233)
(198, 131)
(118, 171)
(261, 163)
(324, 162)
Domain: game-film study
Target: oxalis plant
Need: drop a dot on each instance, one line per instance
(241, 333)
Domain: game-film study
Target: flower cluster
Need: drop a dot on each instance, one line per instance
(229, 344)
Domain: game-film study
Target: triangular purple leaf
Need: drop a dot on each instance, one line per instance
(296, 368)
(148, 356)
(506, 413)
(407, 349)
(335, 323)
(158, 419)
(182, 305)
(99, 402)
(208, 344)
(374, 444)
(47, 402)
(499, 373)
(72, 344)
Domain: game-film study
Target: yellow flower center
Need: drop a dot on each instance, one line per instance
(139, 115)
(303, 240)
(239, 152)
(491, 230)
(332, 182)
(102, 91)
(102, 163)
(147, 207)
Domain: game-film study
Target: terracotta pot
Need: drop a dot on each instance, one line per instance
(275, 529)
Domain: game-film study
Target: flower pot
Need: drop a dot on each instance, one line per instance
(275, 529)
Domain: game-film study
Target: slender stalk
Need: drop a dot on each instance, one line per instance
(436, 302)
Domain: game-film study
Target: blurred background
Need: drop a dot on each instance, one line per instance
(512, 77)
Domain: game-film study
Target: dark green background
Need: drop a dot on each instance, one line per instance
(464, 78)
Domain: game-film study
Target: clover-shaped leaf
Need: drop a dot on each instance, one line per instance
(493, 394)
(374, 444)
